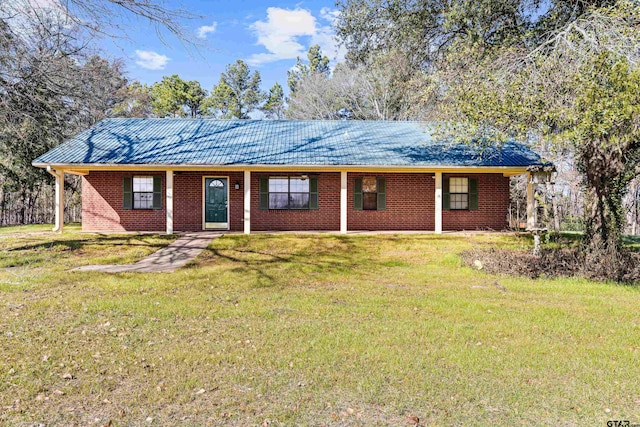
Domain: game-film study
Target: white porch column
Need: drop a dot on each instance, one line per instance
(247, 202)
(438, 221)
(59, 202)
(169, 194)
(343, 202)
(531, 205)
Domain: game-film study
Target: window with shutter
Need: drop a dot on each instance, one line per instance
(473, 194)
(460, 193)
(445, 193)
(370, 193)
(357, 194)
(291, 193)
(157, 192)
(127, 193)
(142, 192)
(382, 194)
(264, 193)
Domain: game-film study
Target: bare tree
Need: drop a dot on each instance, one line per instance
(95, 18)
(386, 88)
(50, 90)
(52, 85)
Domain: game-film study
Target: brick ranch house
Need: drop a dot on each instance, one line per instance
(171, 175)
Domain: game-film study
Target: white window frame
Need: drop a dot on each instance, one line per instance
(134, 192)
(451, 194)
(289, 178)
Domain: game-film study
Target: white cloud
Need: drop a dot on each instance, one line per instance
(280, 33)
(207, 29)
(151, 60)
(329, 14)
(326, 36)
(287, 34)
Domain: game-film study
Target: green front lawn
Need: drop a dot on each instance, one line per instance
(34, 228)
(307, 330)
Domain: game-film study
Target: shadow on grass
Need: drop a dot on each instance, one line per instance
(76, 244)
(314, 255)
(29, 255)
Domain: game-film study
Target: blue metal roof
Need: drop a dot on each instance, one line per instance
(265, 142)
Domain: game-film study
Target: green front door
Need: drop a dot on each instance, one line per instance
(215, 203)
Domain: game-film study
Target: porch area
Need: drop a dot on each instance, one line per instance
(182, 200)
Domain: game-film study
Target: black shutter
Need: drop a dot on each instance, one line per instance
(357, 194)
(264, 193)
(381, 185)
(157, 192)
(445, 193)
(473, 194)
(127, 192)
(313, 193)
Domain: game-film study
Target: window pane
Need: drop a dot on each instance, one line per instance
(297, 185)
(458, 185)
(278, 200)
(142, 200)
(459, 201)
(143, 183)
(299, 201)
(216, 183)
(370, 201)
(369, 185)
(278, 185)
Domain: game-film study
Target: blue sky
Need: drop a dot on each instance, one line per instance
(267, 35)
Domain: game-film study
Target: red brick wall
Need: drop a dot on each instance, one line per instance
(410, 203)
(102, 205)
(187, 200)
(493, 206)
(327, 217)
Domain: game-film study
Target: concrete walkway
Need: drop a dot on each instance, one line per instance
(166, 260)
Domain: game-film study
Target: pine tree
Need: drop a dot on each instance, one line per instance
(237, 93)
(318, 64)
(274, 107)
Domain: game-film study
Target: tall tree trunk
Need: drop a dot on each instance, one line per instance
(606, 182)
(23, 208)
(603, 244)
(3, 207)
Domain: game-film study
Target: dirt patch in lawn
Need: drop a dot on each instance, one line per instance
(553, 262)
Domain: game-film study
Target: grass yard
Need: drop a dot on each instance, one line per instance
(306, 330)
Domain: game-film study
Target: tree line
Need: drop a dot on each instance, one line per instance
(237, 94)
(387, 88)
